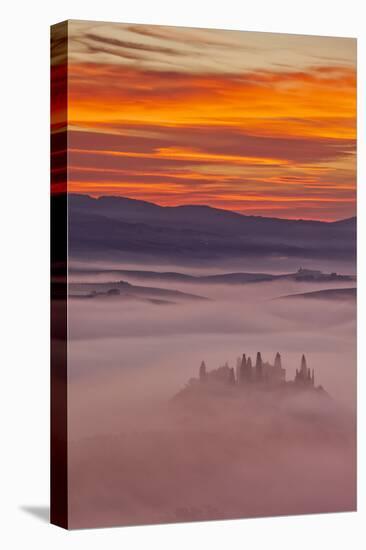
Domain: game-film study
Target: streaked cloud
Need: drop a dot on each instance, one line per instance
(254, 122)
(203, 50)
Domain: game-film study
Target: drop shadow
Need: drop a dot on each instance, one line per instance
(40, 512)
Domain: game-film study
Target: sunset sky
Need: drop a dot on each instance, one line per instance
(252, 122)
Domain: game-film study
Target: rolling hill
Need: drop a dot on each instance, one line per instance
(127, 290)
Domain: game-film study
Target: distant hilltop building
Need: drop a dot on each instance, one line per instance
(262, 372)
(303, 274)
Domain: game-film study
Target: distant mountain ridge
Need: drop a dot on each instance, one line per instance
(121, 206)
(108, 226)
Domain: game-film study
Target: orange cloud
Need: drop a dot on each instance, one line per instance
(240, 141)
(320, 102)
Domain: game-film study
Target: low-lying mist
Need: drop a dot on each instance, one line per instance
(138, 457)
(275, 264)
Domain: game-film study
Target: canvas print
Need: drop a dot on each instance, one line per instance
(203, 274)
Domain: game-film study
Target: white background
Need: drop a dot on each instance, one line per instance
(24, 380)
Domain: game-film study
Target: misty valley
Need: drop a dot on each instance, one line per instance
(217, 450)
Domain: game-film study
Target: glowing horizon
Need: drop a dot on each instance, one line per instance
(263, 124)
